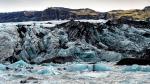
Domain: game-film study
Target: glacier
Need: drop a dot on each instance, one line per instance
(43, 41)
(84, 51)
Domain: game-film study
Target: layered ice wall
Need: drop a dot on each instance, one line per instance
(71, 41)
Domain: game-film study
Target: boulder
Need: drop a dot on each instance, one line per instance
(132, 61)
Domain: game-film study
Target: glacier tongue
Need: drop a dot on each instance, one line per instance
(84, 41)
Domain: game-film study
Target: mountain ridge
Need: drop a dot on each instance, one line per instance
(57, 13)
(52, 13)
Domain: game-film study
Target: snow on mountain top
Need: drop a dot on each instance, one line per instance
(53, 22)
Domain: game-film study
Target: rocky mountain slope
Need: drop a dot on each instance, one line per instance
(56, 13)
(53, 13)
(134, 14)
(73, 41)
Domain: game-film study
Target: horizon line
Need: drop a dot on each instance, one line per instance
(69, 8)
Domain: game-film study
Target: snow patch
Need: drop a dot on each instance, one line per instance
(94, 75)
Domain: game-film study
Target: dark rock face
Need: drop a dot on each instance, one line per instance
(136, 24)
(125, 19)
(146, 54)
(21, 30)
(82, 30)
(40, 35)
(148, 19)
(56, 13)
(11, 59)
(131, 61)
(20, 16)
(131, 22)
(147, 8)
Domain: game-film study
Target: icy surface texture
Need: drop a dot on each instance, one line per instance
(88, 67)
(57, 74)
(49, 70)
(135, 68)
(22, 68)
(79, 67)
(87, 41)
(19, 64)
(8, 39)
(101, 67)
(2, 67)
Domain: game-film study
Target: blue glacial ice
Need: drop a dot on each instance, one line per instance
(101, 67)
(88, 67)
(49, 70)
(78, 67)
(135, 68)
(19, 64)
(2, 67)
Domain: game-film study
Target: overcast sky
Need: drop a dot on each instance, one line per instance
(98, 5)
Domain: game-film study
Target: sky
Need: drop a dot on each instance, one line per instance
(98, 5)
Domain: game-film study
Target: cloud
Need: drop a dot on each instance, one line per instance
(99, 5)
